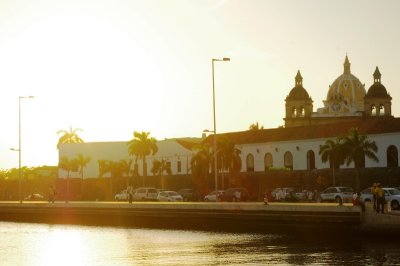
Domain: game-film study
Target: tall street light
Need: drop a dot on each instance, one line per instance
(215, 122)
(19, 144)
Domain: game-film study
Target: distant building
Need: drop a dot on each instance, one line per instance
(296, 146)
(177, 152)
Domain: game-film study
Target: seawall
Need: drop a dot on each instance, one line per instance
(239, 217)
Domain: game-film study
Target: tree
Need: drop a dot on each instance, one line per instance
(141, 146)
(228, 156)
(82, 162)
(200, 166)
(332, 151)
(355, 148)
(125, 166)
(69, 166)
(159, 167)
(255, 126)
(70, 136)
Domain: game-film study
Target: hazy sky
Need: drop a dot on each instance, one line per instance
(112, 67)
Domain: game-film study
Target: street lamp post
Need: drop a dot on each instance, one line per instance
(215, 122)
(19, 145)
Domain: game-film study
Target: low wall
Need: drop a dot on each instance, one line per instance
(202, 216)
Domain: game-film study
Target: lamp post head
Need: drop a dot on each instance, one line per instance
(226, 59)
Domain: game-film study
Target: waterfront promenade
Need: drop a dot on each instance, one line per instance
(242, 216)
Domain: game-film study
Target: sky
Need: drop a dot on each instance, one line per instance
(114, 67)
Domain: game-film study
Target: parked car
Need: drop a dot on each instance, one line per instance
(123, 195)
(235, 194)
(282, 193)
(337, 194)
(189, 194)
(145, 194)
(212, 196)
(392, 195)
(169, 195)
(34, 196)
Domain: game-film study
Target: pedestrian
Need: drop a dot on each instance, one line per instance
(52, 194)
(266, 196)
(129, 190)
(380, 198)
(373, 188)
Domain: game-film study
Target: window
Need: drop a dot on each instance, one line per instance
(169, 165)
(381, 110)
(179, 166)
(392, 156)
(302, 112)
(310, 160)
(288, 160)
(373, 110)
(294, 112)
(250, 163)
(268, 161)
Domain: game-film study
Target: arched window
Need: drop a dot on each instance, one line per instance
(268, 161)
(294, 112)
(288, 160)
(373, 110)
(392, 156)
(250, 163)
(310, 160)
(302, 112)
(381, 110)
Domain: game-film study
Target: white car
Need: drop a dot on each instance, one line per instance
(337, 194)
(121, 196)
(392, 195)
(213, 195)
(169, 196)
(145, 194)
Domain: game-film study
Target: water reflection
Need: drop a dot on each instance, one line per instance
(40, 244)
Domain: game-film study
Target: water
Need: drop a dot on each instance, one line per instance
(42, 244)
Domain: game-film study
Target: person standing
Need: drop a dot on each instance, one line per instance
(380, 198)
(373, 191)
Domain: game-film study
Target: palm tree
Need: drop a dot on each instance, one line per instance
(82, 162)
(159, 167)
(125, 166)
(70, 166)
(229, 156)
(355, 148)
(255, 126)
(332, 151)
(141, 146)
(200, 165)
(70, 136)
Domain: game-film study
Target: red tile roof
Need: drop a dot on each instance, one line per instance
(365, 127)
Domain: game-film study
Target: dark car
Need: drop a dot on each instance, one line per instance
(235, 194)
(189, 194)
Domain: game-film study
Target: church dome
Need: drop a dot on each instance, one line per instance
(298, 92)
(348, 88)
(377, 90)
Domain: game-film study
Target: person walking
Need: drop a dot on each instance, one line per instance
(129, 190)
(52, 194)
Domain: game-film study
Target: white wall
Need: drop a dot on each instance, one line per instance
(278, 149)
(169, 150)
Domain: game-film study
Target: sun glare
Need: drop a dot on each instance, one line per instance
(61, 247)
(87, 72)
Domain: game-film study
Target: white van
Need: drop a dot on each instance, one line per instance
(145, 194)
